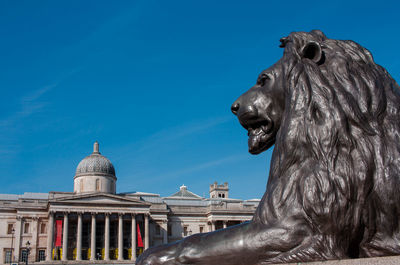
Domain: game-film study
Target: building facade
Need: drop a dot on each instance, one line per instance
(94, 223)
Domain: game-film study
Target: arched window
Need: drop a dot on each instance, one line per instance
(97, 185)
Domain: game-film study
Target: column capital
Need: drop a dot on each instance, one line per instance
(133, 215)
(79, 213)
(107, 214)
(93, 214)
(35, 218)
(19, 217)
(121, 214)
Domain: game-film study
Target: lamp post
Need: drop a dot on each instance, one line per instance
(28, 249)
(12, 239)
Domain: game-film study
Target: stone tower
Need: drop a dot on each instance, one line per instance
(219, 191)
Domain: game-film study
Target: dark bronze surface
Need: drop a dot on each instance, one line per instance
(334, 186)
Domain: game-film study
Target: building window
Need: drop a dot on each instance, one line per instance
(169, 227)
(97, 184)
(26, 228)
(185, 230)
(158, 230)
(7, 256)
(10, 229)
(41, 255)
(24, 255)
(201, 229)
(43, 228)
(112, 188)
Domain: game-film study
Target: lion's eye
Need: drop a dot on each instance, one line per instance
(262, 78)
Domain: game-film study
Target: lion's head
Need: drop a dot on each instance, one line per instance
(260, 109)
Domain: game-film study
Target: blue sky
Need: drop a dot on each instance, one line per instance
(153, 82)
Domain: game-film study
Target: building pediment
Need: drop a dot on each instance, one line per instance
(98, 199)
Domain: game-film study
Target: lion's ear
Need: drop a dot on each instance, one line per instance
(313, 51)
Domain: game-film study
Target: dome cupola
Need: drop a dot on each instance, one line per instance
(95, 173)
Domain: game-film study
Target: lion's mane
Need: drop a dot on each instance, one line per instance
(336, 160)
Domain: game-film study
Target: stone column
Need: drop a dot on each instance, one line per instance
(146, 231)
(18, 232)
(165, 228)
(93, 238)
(107, 237)
(120, 237)
(35, 232)
(50, 235)
(213, 225)
(225, 224)
(79, 238)
(65, 237)
(133, 237)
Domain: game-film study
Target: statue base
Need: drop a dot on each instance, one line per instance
(392, 260)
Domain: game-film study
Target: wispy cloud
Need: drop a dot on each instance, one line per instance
(183, 130)
(175, 174)
(34, 95)
(168, 135)
(31, 102)
(28, 105)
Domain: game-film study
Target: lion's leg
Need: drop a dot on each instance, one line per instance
(382, 234)
(381, 216)
(250, 243)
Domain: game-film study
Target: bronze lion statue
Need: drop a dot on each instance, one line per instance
(334, 185)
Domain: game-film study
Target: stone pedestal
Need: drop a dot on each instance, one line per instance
(393, 260)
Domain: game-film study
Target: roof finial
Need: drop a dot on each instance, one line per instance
(96, 148)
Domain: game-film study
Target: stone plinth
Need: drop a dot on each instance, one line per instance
(393, 260)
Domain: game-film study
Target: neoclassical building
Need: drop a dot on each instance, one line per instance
(94, 223)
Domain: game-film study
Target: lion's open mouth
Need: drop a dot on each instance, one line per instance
(260, 138)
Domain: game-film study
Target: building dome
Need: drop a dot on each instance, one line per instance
(95, 173)
(95, 164)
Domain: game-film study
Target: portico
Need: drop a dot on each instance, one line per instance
(97, 227)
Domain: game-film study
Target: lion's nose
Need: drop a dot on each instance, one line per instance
(247, 114)
(235, 107)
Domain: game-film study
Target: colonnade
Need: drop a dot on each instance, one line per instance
(213, 223)
(50, 236)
